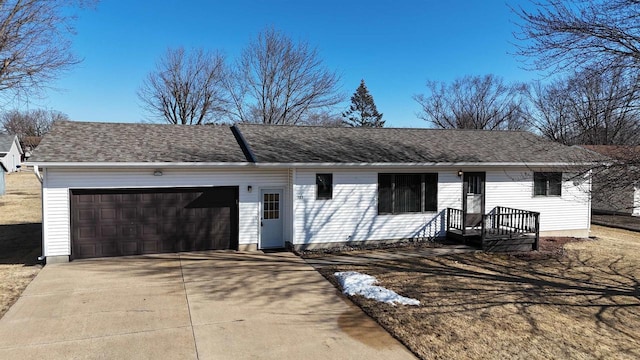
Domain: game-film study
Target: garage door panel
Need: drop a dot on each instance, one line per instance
(150, 247)
(128, 213)
(128, 231)
(149, 213)
(128, 247)
(86, 232)
(145, 221)
(108, 231)
(108, 214)
(169, 212)
(149, 230)
(86, 214)
(107, 199)
(129, 198)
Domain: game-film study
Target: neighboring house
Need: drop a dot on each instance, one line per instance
(3, 179)
(10, 152)
(29, 143)
(251, 187)
(615, 187)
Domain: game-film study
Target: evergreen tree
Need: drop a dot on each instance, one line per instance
(363, 111)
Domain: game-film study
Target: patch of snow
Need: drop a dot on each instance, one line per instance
(355, 283)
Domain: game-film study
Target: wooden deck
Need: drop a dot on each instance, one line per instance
(494, 242)
(502, 230)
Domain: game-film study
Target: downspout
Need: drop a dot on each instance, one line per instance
(36, 171)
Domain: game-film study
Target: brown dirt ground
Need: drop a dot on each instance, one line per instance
(581, 300)
(20, 235)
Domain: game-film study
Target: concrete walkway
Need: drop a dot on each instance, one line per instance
(211, 305)
(372, 256)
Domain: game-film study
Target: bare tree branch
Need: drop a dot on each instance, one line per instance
(593, 107)
(580, 34)
(30, 123)
(474, 102)
(278, 81)
(186, 88)
(35, 44)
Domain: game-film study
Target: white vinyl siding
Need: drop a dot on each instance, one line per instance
(352, 213)
(513, 188)
(57, 182)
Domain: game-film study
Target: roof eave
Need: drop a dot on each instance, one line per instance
(301, 164)
(147, 165)
(428, 164)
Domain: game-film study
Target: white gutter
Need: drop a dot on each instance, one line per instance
(155, 165)
(436, 164)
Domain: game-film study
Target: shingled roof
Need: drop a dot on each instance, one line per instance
(307, 144)
(616, 152)
(85, 142)
(72, 141)
(6, 141)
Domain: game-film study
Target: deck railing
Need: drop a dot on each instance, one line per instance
(455, 219)
(502, 222)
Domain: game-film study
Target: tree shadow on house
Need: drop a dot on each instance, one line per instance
(20, 243)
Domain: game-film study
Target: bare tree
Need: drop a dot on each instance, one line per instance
(474, 102)
(35, 44)
(186, 88)
(593, 107)
(323, 118)
(278, 81)
(580, 34)
(30, 123)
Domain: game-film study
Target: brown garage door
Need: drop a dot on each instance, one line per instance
(146, 221)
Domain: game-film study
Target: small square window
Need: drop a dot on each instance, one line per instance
(547, 184)
(324, 186)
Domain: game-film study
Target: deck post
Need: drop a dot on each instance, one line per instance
(464, 222)
(448, 219)
(482, 230)
(536, 244)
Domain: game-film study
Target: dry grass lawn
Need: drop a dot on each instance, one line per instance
(20, 235)
(583, 305)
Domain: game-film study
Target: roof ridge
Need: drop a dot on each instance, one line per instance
(362, 128)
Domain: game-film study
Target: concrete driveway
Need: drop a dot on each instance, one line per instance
(207, 305)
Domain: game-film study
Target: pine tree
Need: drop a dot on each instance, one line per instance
(363, 111)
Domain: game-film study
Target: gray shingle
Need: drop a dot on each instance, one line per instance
(116, 142)
(5, 142)
(71, 141)
(305, 144)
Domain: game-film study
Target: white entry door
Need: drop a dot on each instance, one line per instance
(271, 219)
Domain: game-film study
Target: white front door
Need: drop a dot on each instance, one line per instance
(271, 219)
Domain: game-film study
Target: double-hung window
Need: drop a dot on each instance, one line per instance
(407, 193)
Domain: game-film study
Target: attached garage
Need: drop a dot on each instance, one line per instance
(117, 222)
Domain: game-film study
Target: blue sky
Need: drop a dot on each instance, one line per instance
(394, 46)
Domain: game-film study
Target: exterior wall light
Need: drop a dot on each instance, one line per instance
(460, 173)
(249, 188)
(157, 173)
